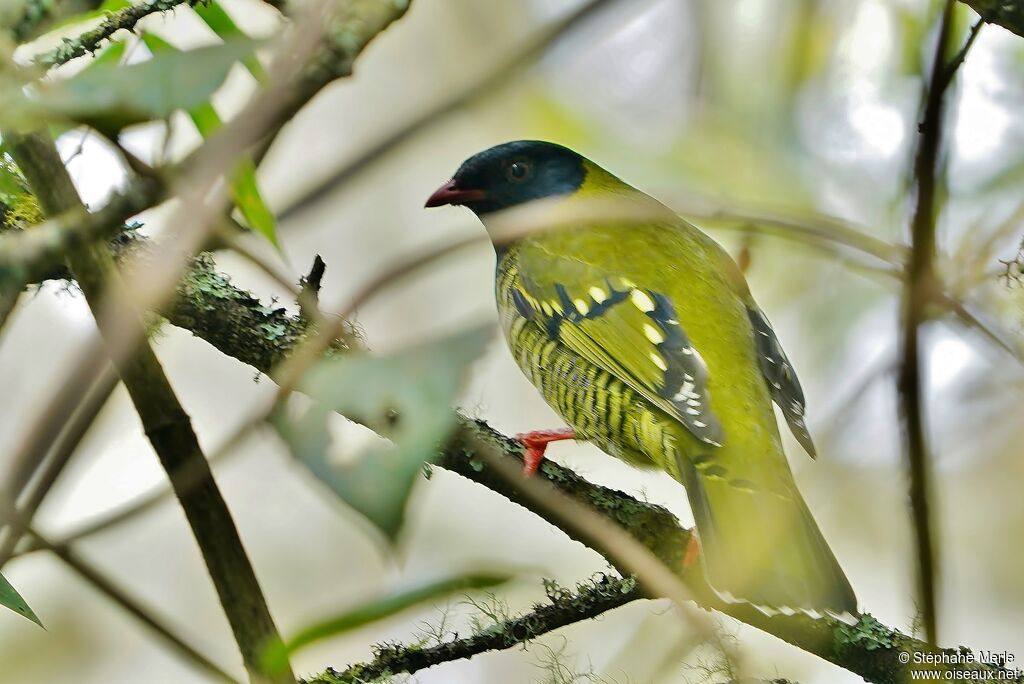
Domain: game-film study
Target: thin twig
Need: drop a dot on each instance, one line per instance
(39, 438)
(309, 294)
(954, 64)
(147, 501)
(112, 591)
(60, 453)
(90, 41)
(564, 608)
(923, 289)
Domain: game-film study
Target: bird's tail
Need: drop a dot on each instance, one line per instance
(764, 548)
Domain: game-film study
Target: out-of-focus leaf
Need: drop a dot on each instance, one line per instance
(110, 96)
(10, 598)
(221, 23)
(276, 657)
(246, 194)
(244, 189)
(413, 389)
(913, 28)
(11, 184)
(1011, 176)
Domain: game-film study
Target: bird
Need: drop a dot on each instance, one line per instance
(642, 334)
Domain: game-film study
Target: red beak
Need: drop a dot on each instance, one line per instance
(451, 193)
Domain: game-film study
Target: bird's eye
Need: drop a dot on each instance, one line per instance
(518, 171)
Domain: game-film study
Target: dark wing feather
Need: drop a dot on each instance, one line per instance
(782, 380)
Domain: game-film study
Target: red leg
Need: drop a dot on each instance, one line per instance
(536, 443)
(692, 550)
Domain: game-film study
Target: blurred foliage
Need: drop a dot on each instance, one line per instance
(244, 189)
(110, 96)
(411, 391)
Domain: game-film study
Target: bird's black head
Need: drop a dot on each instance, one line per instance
(510, 174)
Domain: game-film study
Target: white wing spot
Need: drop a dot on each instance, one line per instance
(700, 424)
(641, 300)
(547, 308)
(598, 295)
(653, 334)
(658, 361)
(684, 391)
(581, 306)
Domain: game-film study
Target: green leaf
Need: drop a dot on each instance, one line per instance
(10, 598)
(244, 188)
(276, 657)
(11, 183)
(246, 194)
(110, 97)
(412, 389)
(221, 23)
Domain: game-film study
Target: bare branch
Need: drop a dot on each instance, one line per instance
(922, 289)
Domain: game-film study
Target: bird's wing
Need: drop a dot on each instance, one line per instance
(629, 331)
(782, 380)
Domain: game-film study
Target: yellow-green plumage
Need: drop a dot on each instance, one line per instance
(643, 336)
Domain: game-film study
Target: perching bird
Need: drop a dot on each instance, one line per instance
(643, 336)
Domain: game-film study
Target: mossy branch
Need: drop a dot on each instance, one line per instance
(35, 17)
(564, 607)
(90, 41)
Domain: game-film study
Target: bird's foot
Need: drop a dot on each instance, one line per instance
(536, 444)
(692, 553)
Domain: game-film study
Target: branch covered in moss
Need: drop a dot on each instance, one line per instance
(36, 17)
(564, 607)
(212, 308)
(90, 41)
